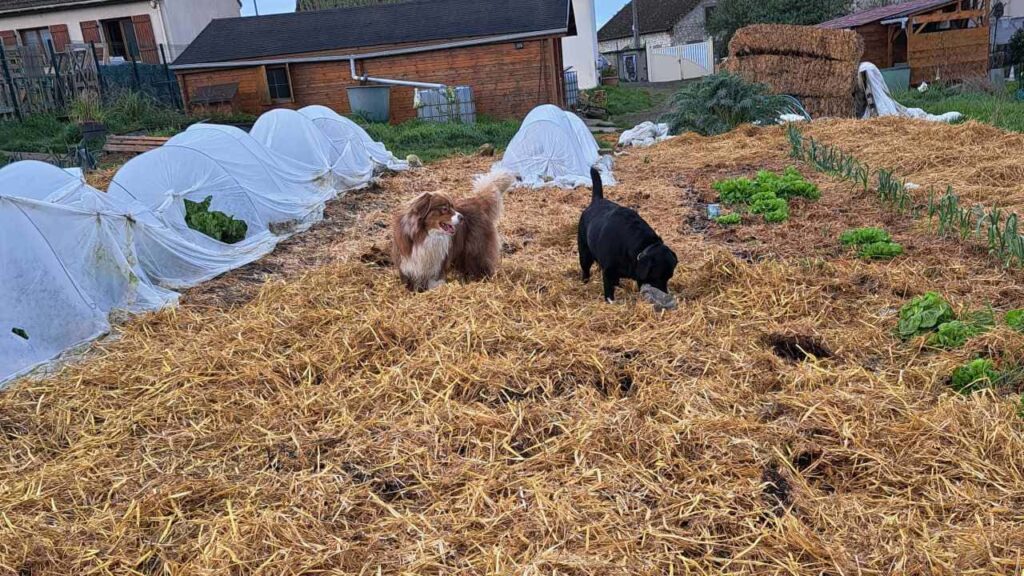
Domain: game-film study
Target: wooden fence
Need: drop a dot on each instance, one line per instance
(34, 80)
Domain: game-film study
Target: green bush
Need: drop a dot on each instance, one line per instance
(924, 314)
(721, 102)
(216, 225)
(974, 375)
(729, 219)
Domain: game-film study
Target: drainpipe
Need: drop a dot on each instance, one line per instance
(364, 78)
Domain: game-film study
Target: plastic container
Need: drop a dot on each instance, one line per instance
(370, 102)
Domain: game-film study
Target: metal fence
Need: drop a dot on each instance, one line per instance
(453, 104)
(572, 89)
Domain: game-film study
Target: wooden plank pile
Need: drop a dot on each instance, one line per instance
(133, 144)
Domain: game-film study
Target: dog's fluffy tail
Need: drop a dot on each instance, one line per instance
(595, 177)
(497, 182)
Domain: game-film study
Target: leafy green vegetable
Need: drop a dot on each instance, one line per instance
(864, 236)
(974, 375)
(1015, 319)
(729, 219)
(768, 193)
(735, 190)
(924, 314)
(216, 225)
(951, 335)
(880, 251)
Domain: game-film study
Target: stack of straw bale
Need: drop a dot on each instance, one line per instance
(816, 65)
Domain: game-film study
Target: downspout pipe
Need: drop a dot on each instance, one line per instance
(364, 78)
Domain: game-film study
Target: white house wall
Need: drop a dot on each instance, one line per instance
(656, 40)
(692, 28)
(73, 18)
(580, 51)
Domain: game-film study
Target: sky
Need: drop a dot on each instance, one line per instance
(605, 8)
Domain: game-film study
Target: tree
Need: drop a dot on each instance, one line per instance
(1017, 50)
(731, 15)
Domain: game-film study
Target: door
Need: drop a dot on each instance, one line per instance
(629, 70)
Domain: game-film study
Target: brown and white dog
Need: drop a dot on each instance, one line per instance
(435, 233)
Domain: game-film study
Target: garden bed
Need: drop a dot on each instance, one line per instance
(331, 421)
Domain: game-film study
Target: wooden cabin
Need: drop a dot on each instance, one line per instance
(945, 40)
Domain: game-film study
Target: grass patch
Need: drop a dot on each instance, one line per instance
(432, 141)
(626, 100)
(131, 112)
(1000, 109)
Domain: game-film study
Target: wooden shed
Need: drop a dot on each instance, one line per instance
(508, 53)
(937, 39)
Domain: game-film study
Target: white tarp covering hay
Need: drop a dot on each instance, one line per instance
(873, 83)
(555, 148)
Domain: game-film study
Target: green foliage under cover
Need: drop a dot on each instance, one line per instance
(216, 225)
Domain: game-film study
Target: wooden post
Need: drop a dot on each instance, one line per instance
(10, 82)
(58, 85)
(99, 73)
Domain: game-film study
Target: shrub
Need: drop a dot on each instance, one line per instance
(216, 225)
(721, 102)
(924, 314)
(974, 375)
(729, 219)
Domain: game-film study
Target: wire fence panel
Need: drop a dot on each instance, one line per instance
(572, 90)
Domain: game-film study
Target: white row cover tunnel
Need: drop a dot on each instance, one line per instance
(70, 254)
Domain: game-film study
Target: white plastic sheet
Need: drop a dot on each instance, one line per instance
(291, 135)
(337, 126)
(554, 148)
(644, 134)
(884, 103)
(64, 269)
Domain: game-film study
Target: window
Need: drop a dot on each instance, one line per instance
(120, 35)
(709, 11)
(36, 38)
(279, 83)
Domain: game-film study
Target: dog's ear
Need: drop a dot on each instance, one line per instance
(643, 264)
(417, 211)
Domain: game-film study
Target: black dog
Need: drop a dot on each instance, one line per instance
(622, 244)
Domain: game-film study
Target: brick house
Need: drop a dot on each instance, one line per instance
(123, 29)
(509, 53)
(662, 23)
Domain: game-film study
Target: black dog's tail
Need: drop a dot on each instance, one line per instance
(595, 176)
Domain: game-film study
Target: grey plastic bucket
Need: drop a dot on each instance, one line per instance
(370, 102)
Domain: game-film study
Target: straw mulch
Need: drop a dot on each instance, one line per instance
(810, 41)
(816, 65)
(336, 424)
